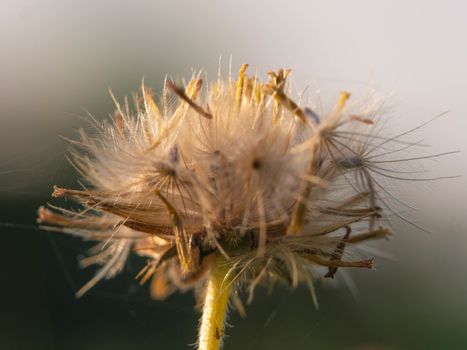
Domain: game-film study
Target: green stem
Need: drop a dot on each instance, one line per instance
(215, 307)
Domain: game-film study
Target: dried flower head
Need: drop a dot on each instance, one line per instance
(237, 177)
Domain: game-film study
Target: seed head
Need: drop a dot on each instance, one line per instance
(239, 168)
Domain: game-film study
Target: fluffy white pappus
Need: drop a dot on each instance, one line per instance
(235, 168)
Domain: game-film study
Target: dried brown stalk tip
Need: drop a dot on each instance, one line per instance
(284, 192)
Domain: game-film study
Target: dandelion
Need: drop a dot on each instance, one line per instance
(234, 186)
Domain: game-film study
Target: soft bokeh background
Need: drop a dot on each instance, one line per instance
(58, 57)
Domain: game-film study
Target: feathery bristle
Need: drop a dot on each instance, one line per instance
(240, 168)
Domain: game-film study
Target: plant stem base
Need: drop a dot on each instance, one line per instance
(215, 307)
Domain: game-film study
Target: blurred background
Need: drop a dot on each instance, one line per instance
(59, 58)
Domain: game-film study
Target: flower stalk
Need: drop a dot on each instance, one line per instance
(216, 299)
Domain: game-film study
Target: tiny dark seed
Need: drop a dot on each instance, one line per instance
(351, 162)
(174, 155)
(256, 164)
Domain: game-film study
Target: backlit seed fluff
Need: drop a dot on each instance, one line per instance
(238, 167)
